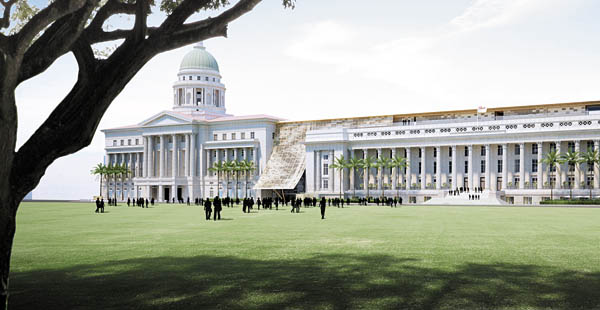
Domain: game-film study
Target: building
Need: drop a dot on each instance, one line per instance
(499, 150)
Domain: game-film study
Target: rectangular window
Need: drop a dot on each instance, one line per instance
(552, 147)
(224, 136)
(483, 151)
(273, 135)
(499, 150)
(434, 167)
(122, 142)
(114, 142)
(534, 149)
(571, 167)
(325, 169)
(517, 165)
(450, 167)
(482, 166)
(553, 168)
(534, 180)
(242, 153)
(215, 137)
(571, 146)
(534, 165)
(466, 166)
(499, 166)
(590, 145)
(517, 149)
(325, 183)
(434, 152)
(326, 157)
(450, 152)
(206, 78)
(198, 78)
(128, 141)
(198, 95)
(215, 154)
(243, 135)
(252, 135)
(137, 141)
(420, 167)
(466, 151)
(233, 136)
(420, 151)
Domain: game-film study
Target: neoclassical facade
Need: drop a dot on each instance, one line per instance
(499, 150)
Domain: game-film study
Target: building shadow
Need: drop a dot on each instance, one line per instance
(322, 281)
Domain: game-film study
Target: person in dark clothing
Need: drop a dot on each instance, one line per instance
(146, 203)
(151, 201)
(207, 209)
(258, 202)
(217, 209)
(128, 202)
(97, 205)
(188, 201)
(102, 205)
(323, 206)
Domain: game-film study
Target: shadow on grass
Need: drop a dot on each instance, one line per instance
(319, 282)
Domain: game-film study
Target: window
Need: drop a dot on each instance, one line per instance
(590, 145)
(325, 184)
(534, 165)
(114, 142)
(242, 153)
(252, 135)
(170, 139)
(325, 169)
(198, 78)
(552, 147)
(434, 152)
(128, 141)
(243, 135)
(191, 78)
(251, 152)
(517, 165)
(590, 168)
(184, 78)
(434, 167)
(482, 151)
(466, 151)
(534, 180)
(215, 137)
(571, 167)
(420, 167)
(450, 152)
(214, 79)
(517, 149)
(198, 96)
(500, 166)
(233, 136)
(499, 150)
(534, 149)
(182, 139)
(466, 166)
(571, 146)
(326, 157)
(224, 136)
(482, 166)
(420, 153)
(122, 142)
(272, 135)
(450, 167)
(206, 78)
(137, 141)
(553, 168)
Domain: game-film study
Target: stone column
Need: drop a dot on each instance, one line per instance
(175, 163)
(488, 172)
(255, 159)
(438, 171)
(366, 172)
(331, 172)
(454, 172)
(187, 172)
(596, 167)
(162, 156)
(522, 165)
(423, 168)
(319, 170)
(408, 177)
(379, 171)
(540, 166)
(577, 173)
(504, 166)
(150, 160)
(470, 167)
(174, 193)
(558, 169)
(145, 158)
(193, 155)
(394, 172)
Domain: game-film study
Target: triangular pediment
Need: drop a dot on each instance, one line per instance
(164, 119)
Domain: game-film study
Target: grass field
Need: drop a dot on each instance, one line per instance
(169, 257)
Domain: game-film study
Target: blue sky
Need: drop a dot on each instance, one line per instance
(346, 58)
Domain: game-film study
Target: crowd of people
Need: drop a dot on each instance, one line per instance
(460, 190)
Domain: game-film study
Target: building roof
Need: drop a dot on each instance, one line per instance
(199, 58)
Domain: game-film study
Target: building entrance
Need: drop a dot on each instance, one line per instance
(482, 182)
(465, 182)
(167, 193)
(499, 183)
(154, 192)
(179, 193)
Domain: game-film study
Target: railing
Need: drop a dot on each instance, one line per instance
(486, 119)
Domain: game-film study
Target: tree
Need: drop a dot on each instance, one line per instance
(217, 167)
(368, 163)
(353, 164)
(398, 163)
(340, 164)
(551, 160)
(572, 159)
(99, 170)
(30, 46)
(124, 173)
(228, 168)
(248, 167)
(591, 157)
(237, 168)
(382, 163)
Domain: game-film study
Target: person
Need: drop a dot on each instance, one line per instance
(207, 209)
(146, 203)
(323, 205)
(128, 201)
(151, 202)
(258, 202)
(102, 205)
(97, 205)
(218, 208)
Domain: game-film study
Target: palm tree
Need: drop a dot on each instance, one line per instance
(591, 157)
(228, 168)
(551, 160)
(353, 164)
(100, 170)
(217, 167)
(398, 163)
(237, 168)
(382, 163)
(123, 173)
(367, 164)
(571, 158)
(248, 166)
(340, 163)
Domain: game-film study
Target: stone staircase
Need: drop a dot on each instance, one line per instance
(487, 198)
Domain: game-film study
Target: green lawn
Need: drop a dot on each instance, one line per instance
(168, 257)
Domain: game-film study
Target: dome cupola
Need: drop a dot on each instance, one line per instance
(199, 59)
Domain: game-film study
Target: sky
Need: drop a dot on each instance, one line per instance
(338, 58)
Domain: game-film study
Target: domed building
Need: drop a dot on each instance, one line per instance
(436, 157)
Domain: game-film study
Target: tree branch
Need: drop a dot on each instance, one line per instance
(43, 19)
(112, 7)
(142, 7)
(56, 41)
(85, 58)
(5, 20)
